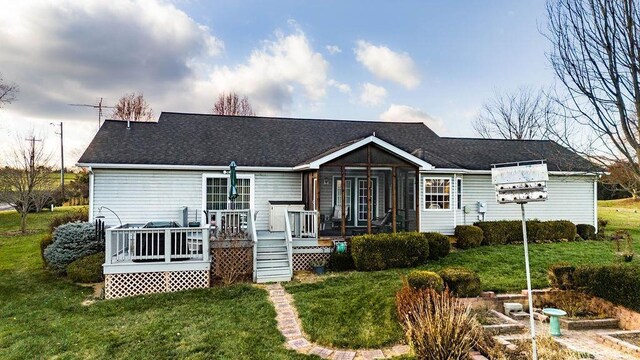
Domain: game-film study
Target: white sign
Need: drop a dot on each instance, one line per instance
(520, 183)
(519, 174)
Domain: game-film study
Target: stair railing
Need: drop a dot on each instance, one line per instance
(251, 224)
(288, 240)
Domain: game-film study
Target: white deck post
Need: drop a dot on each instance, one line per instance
(107, 246)
(206, 250)
(167, 245)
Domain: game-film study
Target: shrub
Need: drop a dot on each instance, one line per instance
(602, 227)
(71, 242)
(341, 261)
(80, 215)
(510, 231)
(436, 325)
(468, 236)
(44, 243)
(561, 276)
(383, 251)
(461, 281)
(616, 283)
(439, 245)
(586, 231)
(422, 279)
(87, 269)
(575, 303)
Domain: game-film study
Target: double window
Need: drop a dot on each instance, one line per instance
(437, 193)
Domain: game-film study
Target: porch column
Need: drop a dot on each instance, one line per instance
(369, 189)
(316, 184)
(394, 198)
(418, 201)
(343, 195)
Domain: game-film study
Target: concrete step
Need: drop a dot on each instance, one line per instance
(273, 264)
(273, 278)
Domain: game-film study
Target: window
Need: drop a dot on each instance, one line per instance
(437, 193)
(218, 193)
(459, 193)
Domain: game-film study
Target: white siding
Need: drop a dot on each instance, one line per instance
(442, 221)
(139, 196)
(274, 186)
(570, 198)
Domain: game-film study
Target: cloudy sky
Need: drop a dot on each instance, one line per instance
(433, 61)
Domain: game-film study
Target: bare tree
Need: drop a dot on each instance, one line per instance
(8, 92)
(622, 175)
(25, 183)
(595, 55)
(522, 114)
(132, 107)
(232, 104)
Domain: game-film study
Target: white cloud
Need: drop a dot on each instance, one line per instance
(372, 94)
(272, 75)
(343, 88)
(333, 49)
(405, 113)
(62, 52)
(387, 64)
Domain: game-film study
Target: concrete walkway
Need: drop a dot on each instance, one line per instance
(290, 327)
(585, 341)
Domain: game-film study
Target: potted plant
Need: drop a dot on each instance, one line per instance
(318, 266)
(624, 245)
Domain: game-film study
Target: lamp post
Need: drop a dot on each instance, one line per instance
(61, 157)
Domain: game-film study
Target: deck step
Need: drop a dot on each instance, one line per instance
(282, 270)
(275, 255)
(271, 242)
(273, 264)
(267, 235)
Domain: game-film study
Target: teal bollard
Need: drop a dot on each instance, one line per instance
(554, 320)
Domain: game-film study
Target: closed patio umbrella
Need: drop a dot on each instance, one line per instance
(233, 179)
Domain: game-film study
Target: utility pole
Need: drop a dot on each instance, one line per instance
(32, 154)
(61, 158)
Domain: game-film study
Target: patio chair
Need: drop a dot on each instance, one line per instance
(380, 224)
(336, 216)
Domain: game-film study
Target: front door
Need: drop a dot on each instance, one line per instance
(362, 204)
(356, 199)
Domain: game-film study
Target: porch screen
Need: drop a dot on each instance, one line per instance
(218, 194)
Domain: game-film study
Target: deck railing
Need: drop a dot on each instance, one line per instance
(254, 236)
(288, 240)
(227, 224)
(133, 243)
(304, 223)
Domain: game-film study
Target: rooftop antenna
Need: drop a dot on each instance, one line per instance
(98, 106)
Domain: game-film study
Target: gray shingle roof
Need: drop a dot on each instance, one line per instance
(210, 140)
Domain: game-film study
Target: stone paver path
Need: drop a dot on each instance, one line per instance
(587, 341)
(289, 326)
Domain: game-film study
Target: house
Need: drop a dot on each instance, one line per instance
(301, 183)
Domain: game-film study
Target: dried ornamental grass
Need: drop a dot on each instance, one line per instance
(437, 326)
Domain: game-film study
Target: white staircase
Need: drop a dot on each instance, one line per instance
(272, 263)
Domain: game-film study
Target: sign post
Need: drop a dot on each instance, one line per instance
(521, 183)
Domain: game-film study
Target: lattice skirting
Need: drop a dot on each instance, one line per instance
(134, 284)
(237, 260)
(302, 261)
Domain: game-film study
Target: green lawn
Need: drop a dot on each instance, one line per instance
(41, 316)
(357, 309)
